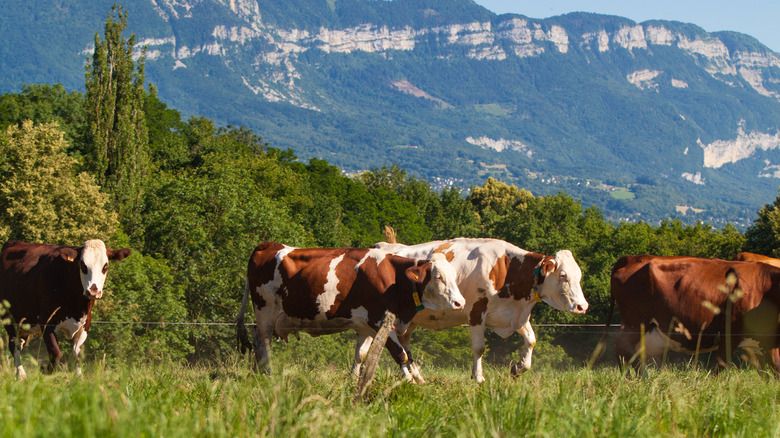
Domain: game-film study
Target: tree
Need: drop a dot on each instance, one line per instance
(763, 236)
(41, 197)
(117, 135)
(44, 104)
(496, 199)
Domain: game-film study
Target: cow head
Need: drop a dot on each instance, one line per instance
(92, 261)
(441, 290)
(558, 280)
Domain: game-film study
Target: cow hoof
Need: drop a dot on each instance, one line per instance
(517, 370)
(479, 379)
(21, 374)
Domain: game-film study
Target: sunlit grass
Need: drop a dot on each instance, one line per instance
(315, 398)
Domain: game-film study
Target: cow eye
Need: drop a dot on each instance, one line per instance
(105, 268)
(83, 267)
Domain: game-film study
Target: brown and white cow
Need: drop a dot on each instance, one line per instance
(52, 289)
(682, 304)
(322, 291)
(501, 284)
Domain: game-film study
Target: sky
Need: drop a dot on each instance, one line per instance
(757, 18)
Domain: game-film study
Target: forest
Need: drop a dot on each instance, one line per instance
(192, 199)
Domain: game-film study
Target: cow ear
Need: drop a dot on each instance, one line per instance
(548, 265)
(118, 254)
(69, 254)
(417, 273)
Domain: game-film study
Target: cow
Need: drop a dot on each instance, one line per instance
(681, 303)
(322, 291)
(753, 257)
(52, 289)
(501, 284)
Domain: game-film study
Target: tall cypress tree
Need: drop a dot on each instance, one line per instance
(117, 138)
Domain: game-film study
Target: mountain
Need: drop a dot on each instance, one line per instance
(644, 120)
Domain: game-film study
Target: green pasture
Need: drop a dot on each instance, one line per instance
(311, 391)
(621, 193)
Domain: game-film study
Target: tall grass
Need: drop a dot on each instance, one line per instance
(311, 396)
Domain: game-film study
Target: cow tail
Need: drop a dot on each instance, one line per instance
(242, 335)
(390, 235)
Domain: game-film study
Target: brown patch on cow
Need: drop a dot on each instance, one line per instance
(346, 274)
(478, 311)
(449, 254)
(261, 269)
(497, 276)
(520, 275)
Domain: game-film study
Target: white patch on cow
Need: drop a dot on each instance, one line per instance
(282, 253)
(93, 268)
(375, 253)
(656, 342)
(328, 297)
(360, 320)
(78, 344)
(71, 326)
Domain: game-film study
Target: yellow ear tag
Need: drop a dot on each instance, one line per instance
(416, 277)
(417, 303)
(537, 298)
(68, 258)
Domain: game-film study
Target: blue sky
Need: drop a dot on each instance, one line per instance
(757, 18)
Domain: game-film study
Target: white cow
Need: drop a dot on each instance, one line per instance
(501, 283)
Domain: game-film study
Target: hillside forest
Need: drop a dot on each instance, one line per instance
(192, 199)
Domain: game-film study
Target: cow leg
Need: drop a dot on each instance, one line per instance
(403, 358)
(774, 359)
(477, 333)
(50, 339)
(405, 341)
(16, 351)
(526, 350)
(78, 344)
(265, 318)
(625, 347)
(261, 339)
(361, 349)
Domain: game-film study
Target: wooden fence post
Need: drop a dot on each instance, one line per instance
(372, 357)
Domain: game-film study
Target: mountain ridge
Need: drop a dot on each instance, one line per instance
(455, 93)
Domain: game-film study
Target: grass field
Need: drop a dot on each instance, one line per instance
(621, 193)
(310, 396)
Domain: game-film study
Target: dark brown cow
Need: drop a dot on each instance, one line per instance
(681, 301)
(324, 291)
(52, 288)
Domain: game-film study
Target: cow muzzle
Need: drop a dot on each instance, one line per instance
(93, 293)
(580, 309)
